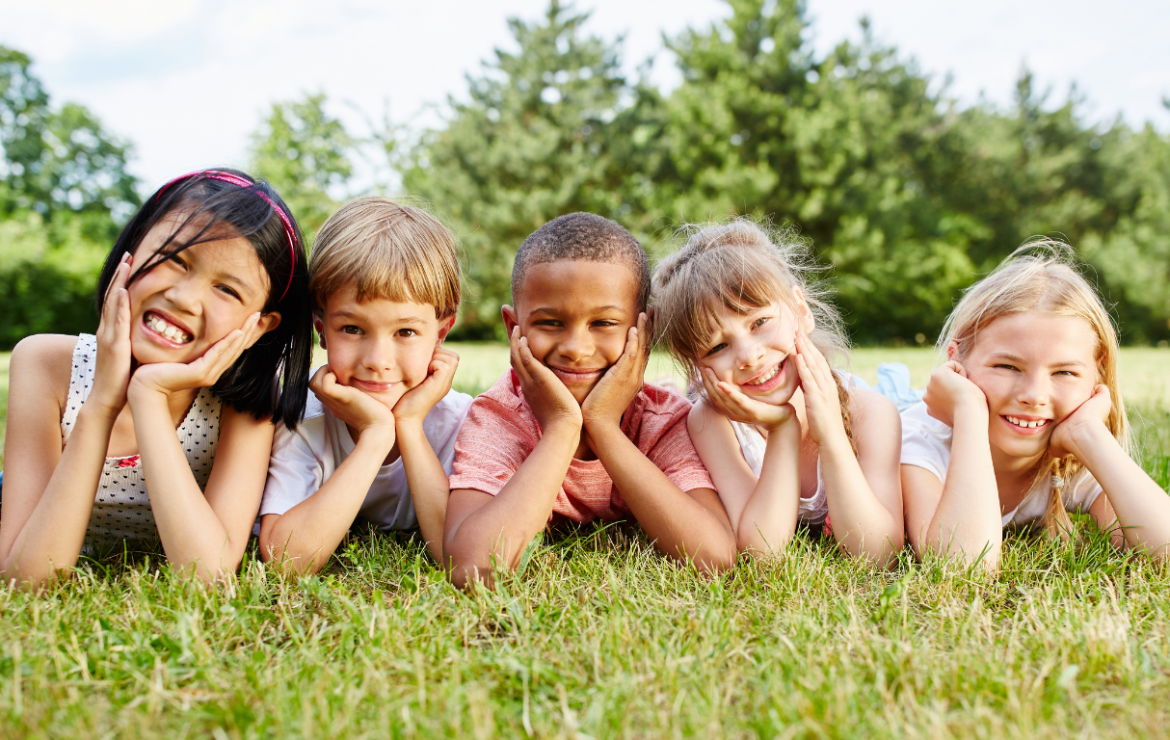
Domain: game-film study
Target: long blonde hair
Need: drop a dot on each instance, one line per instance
(1041, 276)
(741, 266)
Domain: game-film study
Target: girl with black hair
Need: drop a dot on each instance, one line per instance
(204, 330)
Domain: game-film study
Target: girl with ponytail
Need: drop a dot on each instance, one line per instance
(1024, 422)
(785, 437)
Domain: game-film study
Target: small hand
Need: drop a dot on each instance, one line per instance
(1093, 411)
(821, 401)
(547, 396)
(203, 371)
(357, 409)
(948, 389)
(621, 382)
(737, 406)
(112, 366)
(417, 402)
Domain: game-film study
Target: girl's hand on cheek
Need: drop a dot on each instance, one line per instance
(1094, 411)
(547, 396)
(735, 405)
(202, 372)
(949, 389)
(821, 402)
(617, 388)
(358, 410)
(417, 402)
(112, 367)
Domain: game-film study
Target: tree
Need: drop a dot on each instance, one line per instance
(305, 154)
(534, 140)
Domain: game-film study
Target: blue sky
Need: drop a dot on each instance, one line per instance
(187, 81)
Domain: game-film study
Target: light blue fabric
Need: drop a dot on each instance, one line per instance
(894, 384)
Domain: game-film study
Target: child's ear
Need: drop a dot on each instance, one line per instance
(319, 327)
(511, 321)
(267, 322)
(952, 351)
(445, 328)
(804, 314)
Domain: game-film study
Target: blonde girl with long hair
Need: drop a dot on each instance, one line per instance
(1024, 422)
(785, 437)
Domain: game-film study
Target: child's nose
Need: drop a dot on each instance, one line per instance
(379, 356)
(576, 345)
(1035, 389)
(749, 354)
(183, 294)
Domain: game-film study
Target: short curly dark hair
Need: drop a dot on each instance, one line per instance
(586, 237)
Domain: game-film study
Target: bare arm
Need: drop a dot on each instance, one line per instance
(762, 511)
(689, 526)
(483, 532)
(49, 493)
(966, 522)
(302, 539)
(204, 533)
(1139, 504)
(428, 481)
(863, 489)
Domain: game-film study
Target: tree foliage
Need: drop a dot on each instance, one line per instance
(64, 190)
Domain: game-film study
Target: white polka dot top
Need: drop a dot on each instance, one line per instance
(121, 509)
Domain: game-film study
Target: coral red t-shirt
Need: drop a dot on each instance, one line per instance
(500, 432)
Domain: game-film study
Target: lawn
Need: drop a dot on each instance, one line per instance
(598, 636)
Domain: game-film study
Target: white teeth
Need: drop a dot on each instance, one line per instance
(1026, 424)
(171, 332)
(766, 378)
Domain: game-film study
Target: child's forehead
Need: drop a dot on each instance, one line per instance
(578, 283)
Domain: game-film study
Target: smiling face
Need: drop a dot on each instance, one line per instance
(1035, 369)
(756, 351)
(381, 347)
(576, 315)
(197, 297)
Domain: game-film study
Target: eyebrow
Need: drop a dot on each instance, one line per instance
(343, 314)
(598, 309)
(1016, 358)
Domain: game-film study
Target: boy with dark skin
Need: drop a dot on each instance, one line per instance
(571, 431)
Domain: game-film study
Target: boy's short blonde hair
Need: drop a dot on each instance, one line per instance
(386, 250)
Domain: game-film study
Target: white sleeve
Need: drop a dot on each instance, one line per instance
(294, 472)
(926, 441)
(1084, 493)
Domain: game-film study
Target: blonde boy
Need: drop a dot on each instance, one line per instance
(378, 440)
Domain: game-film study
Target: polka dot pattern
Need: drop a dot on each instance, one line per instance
(121, 509)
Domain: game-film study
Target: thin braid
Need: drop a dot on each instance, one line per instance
(846, 412)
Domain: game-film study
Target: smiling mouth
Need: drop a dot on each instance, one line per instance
(1026, 424)
(576, 376)
(768, 380)
(166, 329)
(371, 387)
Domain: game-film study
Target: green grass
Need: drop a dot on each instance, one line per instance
(599, 636)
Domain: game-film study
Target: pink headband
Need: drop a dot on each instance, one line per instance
(228, 177)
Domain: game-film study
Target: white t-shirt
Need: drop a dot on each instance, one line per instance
(303, 460)
(926, 443)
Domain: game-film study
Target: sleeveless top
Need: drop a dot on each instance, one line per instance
(813, 509)
(121, 508)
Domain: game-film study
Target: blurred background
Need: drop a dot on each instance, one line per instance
(912, 144)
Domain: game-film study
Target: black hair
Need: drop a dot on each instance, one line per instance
(587, 237)
(271, 378)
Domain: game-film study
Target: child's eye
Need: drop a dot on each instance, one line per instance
(760, 321)
(407, 333)
(715, 349)
(228, 290)
(175, 258)
(350, 329)
(1004, 366)
(1068, 373)
(547, 323)
(605, 323)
